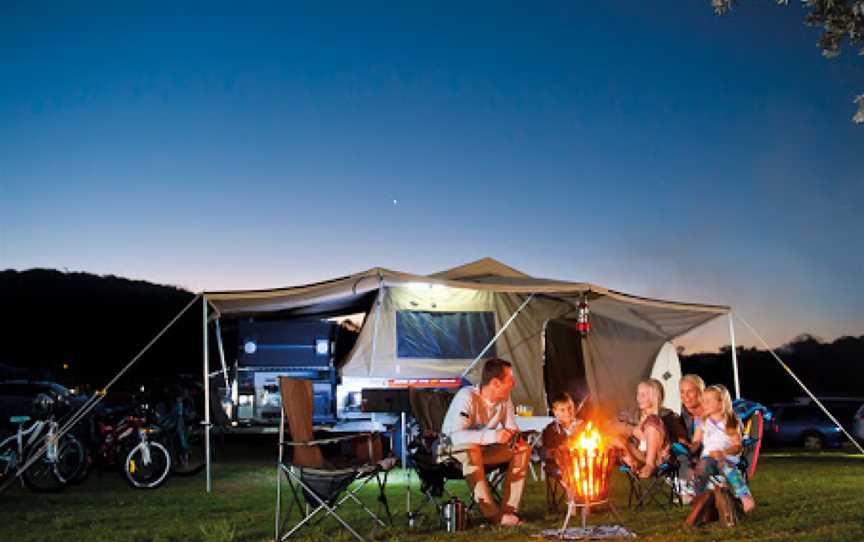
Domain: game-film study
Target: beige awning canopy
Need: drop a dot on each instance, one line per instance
(668, 318)
(627, 335)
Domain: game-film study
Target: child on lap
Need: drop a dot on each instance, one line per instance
(720, 437)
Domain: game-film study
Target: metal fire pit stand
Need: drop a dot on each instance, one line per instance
(585, 510)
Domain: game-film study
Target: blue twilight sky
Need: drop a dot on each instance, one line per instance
(649, 147)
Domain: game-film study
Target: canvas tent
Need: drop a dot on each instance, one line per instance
(442, 325)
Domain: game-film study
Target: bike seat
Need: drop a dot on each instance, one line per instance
(19, 419)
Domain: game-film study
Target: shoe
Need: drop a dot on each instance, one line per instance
(510, 520)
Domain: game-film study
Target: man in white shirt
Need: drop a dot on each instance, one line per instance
(479, 430)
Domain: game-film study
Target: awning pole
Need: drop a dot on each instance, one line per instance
(734, 358)
(495, 338)
(803, 387)
(206, 371)
(222, 355)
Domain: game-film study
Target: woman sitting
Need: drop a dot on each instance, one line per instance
(643, 438)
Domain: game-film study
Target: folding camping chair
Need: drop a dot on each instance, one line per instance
(658, 489)
(323, 484)
(556, 493)
(428, 408)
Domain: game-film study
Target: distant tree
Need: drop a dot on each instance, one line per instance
(840, 20)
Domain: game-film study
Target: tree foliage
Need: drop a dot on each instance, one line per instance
(839, 21)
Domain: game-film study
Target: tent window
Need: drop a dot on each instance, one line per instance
(444, 335)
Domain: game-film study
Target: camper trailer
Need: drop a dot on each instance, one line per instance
(268, 349)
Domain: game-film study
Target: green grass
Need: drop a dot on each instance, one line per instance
(818, 497)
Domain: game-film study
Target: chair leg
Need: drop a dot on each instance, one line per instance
(322, 505)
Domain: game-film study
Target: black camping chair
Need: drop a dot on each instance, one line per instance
(322, 482)
(658, 489)
(428, 409)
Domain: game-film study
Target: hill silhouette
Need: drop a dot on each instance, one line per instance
(93, 325)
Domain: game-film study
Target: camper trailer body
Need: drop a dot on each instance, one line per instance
(268, 349)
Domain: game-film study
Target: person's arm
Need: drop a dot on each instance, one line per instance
(509, 421)
(697, 440)
(735, 448)
(460, 421)
(653, 439)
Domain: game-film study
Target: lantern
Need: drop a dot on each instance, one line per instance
(583, 322)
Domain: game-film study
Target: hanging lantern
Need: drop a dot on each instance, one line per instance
(583, 322)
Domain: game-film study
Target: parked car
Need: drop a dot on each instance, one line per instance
(805, 424)
(858, 428)
(16, 397)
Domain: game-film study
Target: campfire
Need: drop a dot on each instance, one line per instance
(586, 468)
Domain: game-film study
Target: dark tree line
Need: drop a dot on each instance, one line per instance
(828, 369)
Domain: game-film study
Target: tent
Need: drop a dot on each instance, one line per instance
(444, 324)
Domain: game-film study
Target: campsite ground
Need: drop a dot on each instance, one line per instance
(806, 497)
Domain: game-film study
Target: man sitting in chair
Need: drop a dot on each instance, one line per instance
(480, 428)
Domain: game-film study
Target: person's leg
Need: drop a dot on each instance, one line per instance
(701, 472)
(473, 470)
(517, 470)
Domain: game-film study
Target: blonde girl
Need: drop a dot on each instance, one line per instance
(720, 437)
(648, 444)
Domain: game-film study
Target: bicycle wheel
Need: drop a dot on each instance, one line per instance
(71, 459)
(147, 465)
(41, 475)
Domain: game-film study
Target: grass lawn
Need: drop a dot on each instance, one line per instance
(815, 497)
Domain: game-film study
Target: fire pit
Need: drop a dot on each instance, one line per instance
(586, 468)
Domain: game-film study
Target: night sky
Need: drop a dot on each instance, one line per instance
(649, 147)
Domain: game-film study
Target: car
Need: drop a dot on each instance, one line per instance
(858, 427)
(16, 397)
(805, 424)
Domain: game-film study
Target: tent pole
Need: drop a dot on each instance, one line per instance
(495, 338)
(206, 395)
(803, 387)
(734, 357)
(222, 354)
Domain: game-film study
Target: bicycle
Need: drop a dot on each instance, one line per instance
(58, 463)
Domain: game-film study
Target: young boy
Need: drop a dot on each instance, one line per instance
(557, 432)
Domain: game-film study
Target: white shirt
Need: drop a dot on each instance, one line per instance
(471, 419)
(715, 438)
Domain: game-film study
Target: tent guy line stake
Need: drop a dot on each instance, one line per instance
(91, 402)
(788, 370)
(495, 338)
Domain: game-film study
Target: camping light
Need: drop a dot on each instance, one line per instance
(583, 324)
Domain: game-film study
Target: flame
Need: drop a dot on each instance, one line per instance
(588, 476)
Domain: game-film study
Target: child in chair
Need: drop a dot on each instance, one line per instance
(720, 437)
(562, 427)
